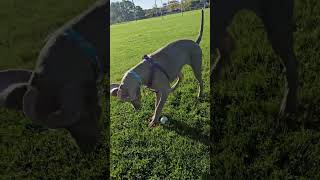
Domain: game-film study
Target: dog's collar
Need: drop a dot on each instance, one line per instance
(89, 50)
(136, 76)
(154, 65)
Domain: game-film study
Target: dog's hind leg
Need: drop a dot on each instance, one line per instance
(289, 101)
(280, 34)
(198, 76)
(196, 65)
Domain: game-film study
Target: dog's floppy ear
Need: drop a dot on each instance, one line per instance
(114, 89)
(12, 76)
(12, 96)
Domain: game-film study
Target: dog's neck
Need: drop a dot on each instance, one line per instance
(92, 24)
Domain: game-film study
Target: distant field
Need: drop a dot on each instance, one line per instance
(248, 98)
(179, 150)
(27, 153)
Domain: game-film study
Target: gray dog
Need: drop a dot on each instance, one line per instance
(62, 91)
(277, 18)
(158, 70)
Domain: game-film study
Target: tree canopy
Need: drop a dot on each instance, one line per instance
(125, 11)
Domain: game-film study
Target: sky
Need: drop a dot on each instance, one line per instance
(145, 4)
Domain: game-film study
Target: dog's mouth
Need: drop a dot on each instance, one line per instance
(115, 90)
(135, 102)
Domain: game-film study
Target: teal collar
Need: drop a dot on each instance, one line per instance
(136, 76)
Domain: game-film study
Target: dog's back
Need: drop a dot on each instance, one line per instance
(179, 53)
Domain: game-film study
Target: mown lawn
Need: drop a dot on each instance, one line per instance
(27, 153)
(248, 98)
(179, 149)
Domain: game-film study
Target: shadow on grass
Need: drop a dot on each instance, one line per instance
(186, 130)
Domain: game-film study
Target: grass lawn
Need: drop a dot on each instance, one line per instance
(247, 101)
(27, 153)
(179, 149)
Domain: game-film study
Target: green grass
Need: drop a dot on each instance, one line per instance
(180, 149)
(27, 153)
(247, 101)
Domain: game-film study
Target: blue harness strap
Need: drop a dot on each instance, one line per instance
(154, 66)
(89, 50)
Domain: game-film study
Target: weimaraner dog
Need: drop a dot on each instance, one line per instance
(63, 89)
(277, 18)
(158, 70)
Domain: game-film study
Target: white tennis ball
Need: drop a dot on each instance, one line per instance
(163, 119)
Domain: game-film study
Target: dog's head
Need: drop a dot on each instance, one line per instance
(128, 91)
(83, 126)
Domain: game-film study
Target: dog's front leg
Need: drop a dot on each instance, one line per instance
(161, 98)
(157, 100)
(289, 101)
(72, 102)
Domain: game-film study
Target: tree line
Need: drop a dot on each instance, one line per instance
(127, 11)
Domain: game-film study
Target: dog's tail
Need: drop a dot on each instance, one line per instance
(201, 29)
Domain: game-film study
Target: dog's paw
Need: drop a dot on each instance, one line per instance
(200, 96)
(286, 121)
(152, 123)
